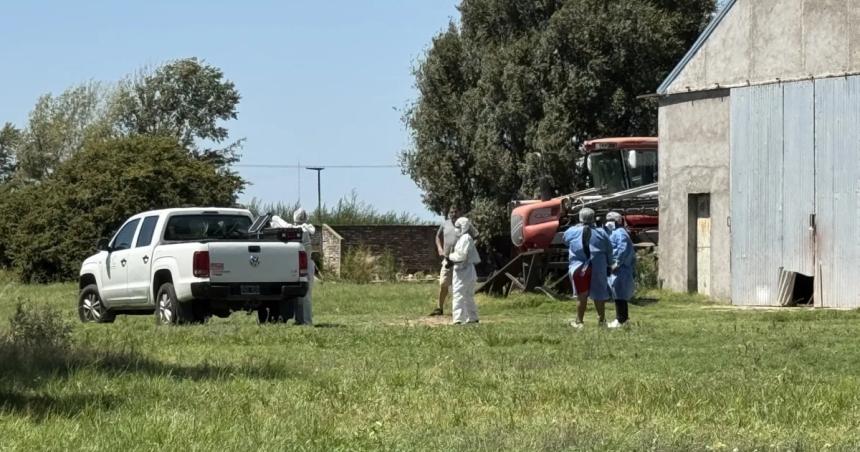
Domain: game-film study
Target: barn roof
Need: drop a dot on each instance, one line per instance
(715, 22)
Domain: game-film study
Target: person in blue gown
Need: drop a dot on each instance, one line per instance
(623, 267)
(589, 252)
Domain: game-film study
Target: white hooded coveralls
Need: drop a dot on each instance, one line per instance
(464, 257)
(304, 307)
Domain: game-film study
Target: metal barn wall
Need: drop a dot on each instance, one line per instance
(795, 153)
(798, 171)
(837, 140)
(756, 193)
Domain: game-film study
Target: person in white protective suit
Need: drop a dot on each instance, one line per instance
(304, 312)
(464, 257)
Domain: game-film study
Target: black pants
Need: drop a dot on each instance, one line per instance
(621, 311)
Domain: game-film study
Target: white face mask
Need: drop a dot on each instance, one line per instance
(610, 226)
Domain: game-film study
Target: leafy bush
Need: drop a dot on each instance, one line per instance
(47, 228)
(360, 265)
(647, 267)
(38, 327)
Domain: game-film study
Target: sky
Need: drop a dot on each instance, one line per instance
(322, 83)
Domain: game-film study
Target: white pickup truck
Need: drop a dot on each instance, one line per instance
(188, 264)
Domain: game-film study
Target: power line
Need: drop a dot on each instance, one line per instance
(315, 166)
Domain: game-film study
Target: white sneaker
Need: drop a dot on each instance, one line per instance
(615, 324)
(577, 325)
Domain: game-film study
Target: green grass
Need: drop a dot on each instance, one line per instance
(686, 376)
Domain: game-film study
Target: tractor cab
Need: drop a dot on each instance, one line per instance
(619, 164)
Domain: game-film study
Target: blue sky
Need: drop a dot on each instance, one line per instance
(321, 82)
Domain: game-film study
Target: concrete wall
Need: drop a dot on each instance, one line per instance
(761, 40)
(694, 159)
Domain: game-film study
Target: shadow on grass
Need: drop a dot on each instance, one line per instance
(131, 362)
(643, 301)
(41, 406)
(26, 369)
(329, 325)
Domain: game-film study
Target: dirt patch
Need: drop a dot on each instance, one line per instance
(442, 320)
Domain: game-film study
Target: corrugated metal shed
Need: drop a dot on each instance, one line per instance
(775, 87)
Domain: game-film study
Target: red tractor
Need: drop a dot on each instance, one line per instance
(624, 176)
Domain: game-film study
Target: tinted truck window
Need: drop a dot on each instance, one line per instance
(146, 231)
(125, 236)
(206, 227)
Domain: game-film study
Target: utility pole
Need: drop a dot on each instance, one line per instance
(319, 170)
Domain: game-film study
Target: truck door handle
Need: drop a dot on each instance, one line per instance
(123, 262)
(145, 259)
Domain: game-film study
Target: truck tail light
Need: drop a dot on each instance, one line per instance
(201, 264)
(303, 263)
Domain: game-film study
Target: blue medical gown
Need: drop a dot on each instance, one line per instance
(601, 253)
(624, 255)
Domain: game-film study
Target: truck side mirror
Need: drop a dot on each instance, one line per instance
(103, 245)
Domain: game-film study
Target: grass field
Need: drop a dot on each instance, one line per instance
(687, 375)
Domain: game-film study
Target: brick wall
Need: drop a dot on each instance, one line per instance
(413, 247)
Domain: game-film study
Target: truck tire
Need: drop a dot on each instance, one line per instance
(91, 309)
(168, 309)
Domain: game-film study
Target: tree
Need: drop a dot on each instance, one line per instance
(185, 99)
(507, 97)
(48, 228)
(10, 140)
(58, 127)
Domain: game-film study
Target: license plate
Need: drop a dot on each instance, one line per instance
(249, 290)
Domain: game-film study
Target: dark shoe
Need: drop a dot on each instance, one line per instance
(436, 312)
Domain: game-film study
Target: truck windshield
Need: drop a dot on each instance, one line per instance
(206, 227)
(607, 171)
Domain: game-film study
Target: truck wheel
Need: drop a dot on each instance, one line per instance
(91, 309)
(168, 310)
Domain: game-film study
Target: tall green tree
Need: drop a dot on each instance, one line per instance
(59, 125)
(10, 141)
(507, 97)
(186, 99)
